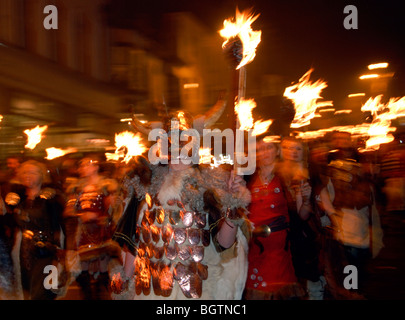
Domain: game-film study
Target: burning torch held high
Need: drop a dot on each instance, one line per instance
(240, 27)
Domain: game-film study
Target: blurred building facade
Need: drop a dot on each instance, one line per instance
(97, 68)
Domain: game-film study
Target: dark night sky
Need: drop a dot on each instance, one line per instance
(300, 34)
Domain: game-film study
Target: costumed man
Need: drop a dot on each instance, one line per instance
(184, 232)
(88, 217)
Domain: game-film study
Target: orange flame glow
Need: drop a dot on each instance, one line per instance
(183, 121)
(240, 27)
(205, 155)
(129, 142)
(261, 127)
(207, 158)
(142, 270)
(148, 200)
(243, 109)
(380, 127)
(305, 95)
(53, 153)
(34, 136)
(378, 131)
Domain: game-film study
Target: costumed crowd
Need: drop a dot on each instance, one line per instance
(183, 231)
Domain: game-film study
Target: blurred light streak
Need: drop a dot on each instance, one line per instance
(353, 95)
(380, 65)
(344, 111)
(53, 153)
(305, 95)
(327, 110)
(369, 76)
(378, 131)
(190, 85)
(272, 139)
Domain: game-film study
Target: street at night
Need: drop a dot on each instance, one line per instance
(202, 151)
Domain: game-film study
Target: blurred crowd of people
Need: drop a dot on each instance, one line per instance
(120, 230)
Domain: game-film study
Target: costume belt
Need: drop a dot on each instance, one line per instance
(277, 224)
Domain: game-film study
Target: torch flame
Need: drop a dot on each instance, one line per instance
(304, 95)
(183, 121)
(34, 136)
(382, 115)
(378, 131)
(148, 200)
(261, 127)
(205, 155)
(240, 27)
(131, 142)
(52, 153)
(243, 109)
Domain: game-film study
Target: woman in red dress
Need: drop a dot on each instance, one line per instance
(271, 273)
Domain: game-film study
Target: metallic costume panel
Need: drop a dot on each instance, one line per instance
(171, 249)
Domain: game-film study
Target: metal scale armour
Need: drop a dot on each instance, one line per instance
(171, 244)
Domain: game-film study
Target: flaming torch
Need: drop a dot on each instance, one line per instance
(241, 43)
(245, 117)
(380, 127)
(248, 39)
(378, 131)
(305, 96)
(243, 109)
(34, 136)
(129, 142)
